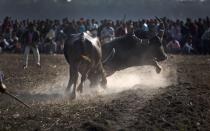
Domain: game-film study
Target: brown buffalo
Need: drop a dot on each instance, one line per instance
(83, 53)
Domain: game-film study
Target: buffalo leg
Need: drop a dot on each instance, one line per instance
(73, 81)
(73, 94)
(84, 74)
(93, 80)
(157, 66)
(103, 76)
(80, 87)
(71, 78)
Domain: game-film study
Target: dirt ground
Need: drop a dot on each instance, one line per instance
(136, 99)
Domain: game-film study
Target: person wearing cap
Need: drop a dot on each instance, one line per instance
(2, 86)
(31, 39)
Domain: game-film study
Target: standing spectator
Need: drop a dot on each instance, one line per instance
(121, 30)
(101, 27)
(145, 27)
(107, 33)
(172, 31)
(60, 40)
(94, 27)
(1, 43)
(81, 26)
(7, 25)
(130, 28)
(178, 35)
(206, 41)
(50, 37)
(200, 33)
(31, 39)
(184, 32)
(69, 28)
(88, 25)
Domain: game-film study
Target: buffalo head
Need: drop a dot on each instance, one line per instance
(156, 49)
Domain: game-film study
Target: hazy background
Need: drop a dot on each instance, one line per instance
(99, 9)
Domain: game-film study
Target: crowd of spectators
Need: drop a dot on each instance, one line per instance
(181, 36)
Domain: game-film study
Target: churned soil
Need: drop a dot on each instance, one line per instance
(182, 105)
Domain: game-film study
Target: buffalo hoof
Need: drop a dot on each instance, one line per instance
(80, 89)
(67, 90)
(158, 70)
(72, 96)
(104, 85)
(25, 67)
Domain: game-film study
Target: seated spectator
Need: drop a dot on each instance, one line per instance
(187, 48)
(5, 45)
(173, 46)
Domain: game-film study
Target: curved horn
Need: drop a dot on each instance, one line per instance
(110, 56)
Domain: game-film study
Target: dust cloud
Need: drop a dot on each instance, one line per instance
(143, 77)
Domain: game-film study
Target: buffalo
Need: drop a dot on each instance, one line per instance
(83, 54)
(131, 50)
(86, 56)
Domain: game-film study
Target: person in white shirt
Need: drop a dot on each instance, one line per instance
(173, 46)
(107, 33)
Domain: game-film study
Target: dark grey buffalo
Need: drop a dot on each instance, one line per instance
(83, 53)
(133, 51)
